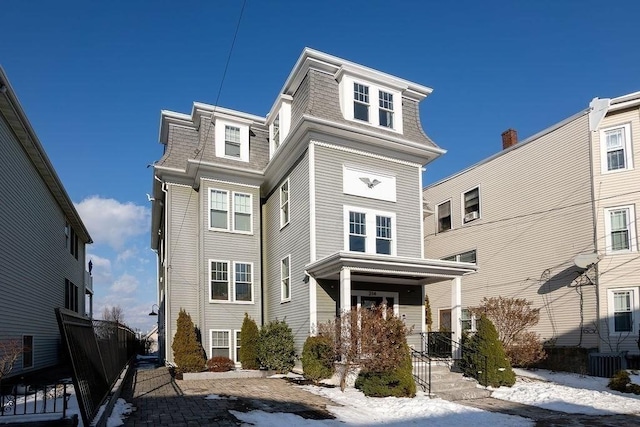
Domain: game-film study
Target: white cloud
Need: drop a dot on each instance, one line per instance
(125, 284)
(112, 222)
(126, 254)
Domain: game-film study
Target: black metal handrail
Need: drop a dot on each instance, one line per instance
(45, 399)
(441, 345)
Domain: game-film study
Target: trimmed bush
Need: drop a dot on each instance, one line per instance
(187, 351)
(398, 382)
(220, 364)
(249, 337)
(622, 382)
(483, 351)
(276, 348)
(318, 358)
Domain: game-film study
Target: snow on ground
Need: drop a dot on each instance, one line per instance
(570, 393)
(120, 410)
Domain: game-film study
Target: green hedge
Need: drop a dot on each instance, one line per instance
(249, 337)
(276, 348)
(318, 358)
(398, 382)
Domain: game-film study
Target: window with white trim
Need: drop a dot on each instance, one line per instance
(468, 320)
(219, 281)
(242, 212)
(238, 345)
(361, 102)
(243, 282)
(219, 209)
(27, 351)
(615, 149)
(471, 203)
(620, 229)
(276, 132)
(469, 256)
(285, 278)
(444, 216)
(284, 203)
(385, 111)
(623, 310)
(370, 231)
(220, 343)
(232, 139)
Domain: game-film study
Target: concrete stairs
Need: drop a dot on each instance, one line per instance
(450, 385)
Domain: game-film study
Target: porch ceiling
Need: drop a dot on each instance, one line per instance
(400, 270)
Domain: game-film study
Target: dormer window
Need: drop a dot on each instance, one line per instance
(232, 141)
(371, 103)
(386, 109)
(279, 122)
(360, 102)
(276, 131)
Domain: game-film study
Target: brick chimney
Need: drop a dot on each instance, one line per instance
(509, 138)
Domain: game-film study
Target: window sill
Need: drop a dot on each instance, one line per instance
(282, 226)
(622, 252)
(614, 171)
(219, 301)
(237, 159)
(226, 230)
(284, 301)
(365, 122)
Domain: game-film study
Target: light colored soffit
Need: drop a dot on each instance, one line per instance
(625, 101)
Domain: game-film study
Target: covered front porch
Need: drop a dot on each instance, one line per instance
(346, 280)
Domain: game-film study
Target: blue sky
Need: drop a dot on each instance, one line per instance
(93, 77)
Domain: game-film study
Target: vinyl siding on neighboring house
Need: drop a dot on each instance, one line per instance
(615, 189)
(292, 239)
(535, 217)
(182, 256)
(230, 247)
(330, 200)
(34, 259)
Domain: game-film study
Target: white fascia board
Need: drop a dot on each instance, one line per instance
(276, 107)
(634, 96)
(200, 108)
(172, 118)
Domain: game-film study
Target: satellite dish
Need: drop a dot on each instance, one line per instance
(585, 260)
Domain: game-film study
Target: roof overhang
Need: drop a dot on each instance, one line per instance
(399, 270)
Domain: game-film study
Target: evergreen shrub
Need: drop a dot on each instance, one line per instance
(318, 358)
(398, 382)
(187, 351)
(276, 348)
(484, 358)
(622, 382)
(249, 337)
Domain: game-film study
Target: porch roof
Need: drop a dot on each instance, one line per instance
(401, 270)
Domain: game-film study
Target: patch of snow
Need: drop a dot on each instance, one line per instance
(120, 410)
(287, 375)
(218, 397)
(279, 419)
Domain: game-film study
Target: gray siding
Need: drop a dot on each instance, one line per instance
(330, 200)
(293, 239)
(536, 216)
(34, 260)
(230, 247)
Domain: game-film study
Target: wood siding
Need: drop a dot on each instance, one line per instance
(535, 217)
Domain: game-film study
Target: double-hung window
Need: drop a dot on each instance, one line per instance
(71, 296)
(243, 282)
(385, 111)
(238, 345)
(242, 212)
(285, 276)
(444, 216)
(369, 231)
(469, 256)
(467, 319)
(361, 102)
(232, 141)
(620, 230)
(219, 286)
(623, 309)
(220, 344)
(616, 149)
(284, 203)
(219, 210)
(471, 201)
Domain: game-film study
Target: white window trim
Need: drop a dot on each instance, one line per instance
(235, 346)
(370, 226)
(628, 148)
(347, 100)
(371, 293)
(230, 274)
(282, 109)
(437, 217)
(220, 125)
(283, 223)
(252, 283)
(233, 212)
(462, 205)
(282, 297)
(472, 318)
(631, 224)
(211, 331)
(635, 311)
(211, 190)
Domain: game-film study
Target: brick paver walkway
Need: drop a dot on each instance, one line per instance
(160, 401)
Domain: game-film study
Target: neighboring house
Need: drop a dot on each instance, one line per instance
(546, 220)
(42, 242)
(312, 210)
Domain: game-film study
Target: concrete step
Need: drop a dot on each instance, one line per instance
(451, 385)
(466, 394)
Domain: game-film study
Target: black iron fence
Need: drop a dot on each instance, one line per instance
(26, 400)
(98, 351)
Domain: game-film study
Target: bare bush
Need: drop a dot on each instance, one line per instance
(512, 317)
(10, 351)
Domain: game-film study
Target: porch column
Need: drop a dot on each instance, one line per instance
(345, 290)
(456, 314)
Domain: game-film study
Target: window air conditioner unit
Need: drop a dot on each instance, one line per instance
(471, 216)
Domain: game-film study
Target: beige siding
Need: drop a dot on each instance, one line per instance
(536, 216)
(618, 270)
